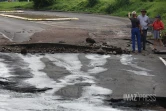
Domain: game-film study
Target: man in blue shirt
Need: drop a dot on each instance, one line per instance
(144, 22)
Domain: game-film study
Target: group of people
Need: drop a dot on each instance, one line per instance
(139, 29)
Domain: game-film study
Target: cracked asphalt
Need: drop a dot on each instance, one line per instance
(102, 28)
(74, 82)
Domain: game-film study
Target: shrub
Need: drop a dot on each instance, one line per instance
(151, 0)
(42, 3)
(116, 5)
(121, 3)
(23, 0)
(143, 0)
(92, 3)
(110, 8)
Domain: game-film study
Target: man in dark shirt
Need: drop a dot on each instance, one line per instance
(135, 31)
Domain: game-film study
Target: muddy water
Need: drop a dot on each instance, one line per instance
(62, 73)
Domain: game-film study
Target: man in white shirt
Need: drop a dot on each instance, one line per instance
(144, 22)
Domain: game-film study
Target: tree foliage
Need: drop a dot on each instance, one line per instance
(42, 3)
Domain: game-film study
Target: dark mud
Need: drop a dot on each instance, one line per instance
(60, 48)
(158, 103)
(14, 86)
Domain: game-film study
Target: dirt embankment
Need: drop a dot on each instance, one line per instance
(60, 48)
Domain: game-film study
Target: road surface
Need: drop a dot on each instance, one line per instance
(74, 82)
(102, 27)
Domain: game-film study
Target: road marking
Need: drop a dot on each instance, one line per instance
(29, 19)
(162, 60)
(6, 36)
(18, 11)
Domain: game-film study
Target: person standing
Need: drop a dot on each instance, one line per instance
(135, 31)
(157, 25)
(144, 22)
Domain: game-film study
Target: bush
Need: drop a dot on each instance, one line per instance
(42, 3)
(92, 3)
(151, 0)
(118, 3)
(143, 0)
(24, 0)
(111, 8)
(121, 3)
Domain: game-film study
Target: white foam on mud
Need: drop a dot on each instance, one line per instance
(126, 59)
(84, 107)
(40, 79)
(130, 61)
(68, 61)
(92, 96)
(97, 62)
(97, 70)
(41, 103)
(4, 70)
(143, 73)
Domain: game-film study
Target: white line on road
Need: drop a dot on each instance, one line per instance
(17, 11)
(31, 19)
(162, 60)
(5, 36)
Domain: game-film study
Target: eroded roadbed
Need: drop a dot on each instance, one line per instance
(66, 82)
(60, 48)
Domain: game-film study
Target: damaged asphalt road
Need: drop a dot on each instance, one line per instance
(59, 72)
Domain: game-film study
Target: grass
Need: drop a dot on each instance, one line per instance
(15, 5)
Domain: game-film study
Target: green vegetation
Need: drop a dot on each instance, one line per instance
(42, 3)
(92, 3)
(112, 7)
(15, 5)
